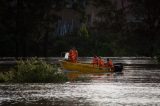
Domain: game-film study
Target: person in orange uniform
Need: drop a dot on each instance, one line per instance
(95, 60)
(109, 63)
(101, 62)
(73, 55)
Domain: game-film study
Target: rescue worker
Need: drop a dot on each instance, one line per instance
(76, 55)
(101, 62)
(109, 63)
(95, 60)
(73, 55)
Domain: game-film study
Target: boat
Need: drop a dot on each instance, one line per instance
(86, 68)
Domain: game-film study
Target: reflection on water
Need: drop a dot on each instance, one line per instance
(81, 93)
(138, 85)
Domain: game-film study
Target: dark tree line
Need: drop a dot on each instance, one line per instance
(26, 28)
(147, 13)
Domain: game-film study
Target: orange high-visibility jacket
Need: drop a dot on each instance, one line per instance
(101, 63)
(95, 61)
(73, 54)
(109, 64)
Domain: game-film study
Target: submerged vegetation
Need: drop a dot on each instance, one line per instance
(33, 70)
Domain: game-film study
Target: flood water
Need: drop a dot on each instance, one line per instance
(137, 85)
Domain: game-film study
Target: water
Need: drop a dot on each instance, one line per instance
(138, 85)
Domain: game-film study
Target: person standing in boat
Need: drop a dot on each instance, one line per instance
(76, 55)
(73, 55)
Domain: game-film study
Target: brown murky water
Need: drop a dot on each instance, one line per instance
(138, 85)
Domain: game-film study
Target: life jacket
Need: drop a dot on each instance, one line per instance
(101, 63)
(73, 54)
(95, 61)
(109, 64)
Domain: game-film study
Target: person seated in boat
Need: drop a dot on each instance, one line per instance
(95, 60)
(73, 55)
(109, 63)
(101, 62)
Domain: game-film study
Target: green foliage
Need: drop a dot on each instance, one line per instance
(132, 30)
(83, 31)
(33, 70)
(6, 76)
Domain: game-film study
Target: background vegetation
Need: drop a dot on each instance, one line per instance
(26, 28)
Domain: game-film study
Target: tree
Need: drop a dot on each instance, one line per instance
(7, 27)
(27, 26)
(110, 26)
(26, 23)
(147, 14)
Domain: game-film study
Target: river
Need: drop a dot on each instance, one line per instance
(137, 85)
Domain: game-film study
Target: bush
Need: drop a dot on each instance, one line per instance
(6, 76)
(33, 70)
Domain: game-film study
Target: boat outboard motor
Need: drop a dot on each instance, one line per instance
(118, 67)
